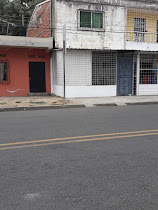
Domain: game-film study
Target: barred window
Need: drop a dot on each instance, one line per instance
(139, 28)
(148, 69)
(103, 68)
(3, 72)
(90, 19)
(148, 77)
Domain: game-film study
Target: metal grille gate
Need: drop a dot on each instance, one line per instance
(125, 73)
(103, 68)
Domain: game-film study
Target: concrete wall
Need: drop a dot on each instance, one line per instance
(143, 4)
(113, 20)
(18, 70)
(57, 73)
(148, 90)
(90, 91)
(113, 36)
(26, 42)
(142, 46)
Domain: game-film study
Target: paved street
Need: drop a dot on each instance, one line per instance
(88, 158)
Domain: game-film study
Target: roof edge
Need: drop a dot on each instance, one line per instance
(26, 42)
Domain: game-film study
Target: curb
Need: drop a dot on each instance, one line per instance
(36, 108)
(143, 103)
(40, 108)
(112, 104)
(136, 103)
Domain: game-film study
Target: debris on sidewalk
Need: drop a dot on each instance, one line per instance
(8, 102)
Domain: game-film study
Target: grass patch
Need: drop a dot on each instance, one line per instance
(37, 102)
(3, 103)
(55, 104)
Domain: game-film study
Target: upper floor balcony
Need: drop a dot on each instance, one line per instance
(142, 30)
(105, 27)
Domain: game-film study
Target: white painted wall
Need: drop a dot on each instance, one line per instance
(57, 67)
(58, 90)
(148, 90)
(142, 46)
(57, 73)
(68, 12)
(90, 91)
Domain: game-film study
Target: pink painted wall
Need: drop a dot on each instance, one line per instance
(18, 65)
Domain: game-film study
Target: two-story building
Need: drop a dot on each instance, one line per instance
(112, 47)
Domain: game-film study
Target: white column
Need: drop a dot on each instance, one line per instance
(51, 72)
(138, 73)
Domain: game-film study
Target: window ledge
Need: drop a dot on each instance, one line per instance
(91, 29)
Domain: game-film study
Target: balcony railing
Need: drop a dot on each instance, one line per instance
(148, 37)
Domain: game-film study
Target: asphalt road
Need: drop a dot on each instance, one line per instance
(89, 158)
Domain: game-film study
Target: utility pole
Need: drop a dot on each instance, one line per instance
(8, 24)
(64, 53)
(7, 29)
(23, 22)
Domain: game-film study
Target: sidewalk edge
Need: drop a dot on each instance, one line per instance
(10, 109)
(143, 103)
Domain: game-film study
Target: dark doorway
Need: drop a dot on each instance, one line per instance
(125, 70)
(37, 77)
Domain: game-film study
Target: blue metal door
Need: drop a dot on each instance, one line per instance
(124, 76)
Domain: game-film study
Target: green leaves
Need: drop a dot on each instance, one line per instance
(12, 11)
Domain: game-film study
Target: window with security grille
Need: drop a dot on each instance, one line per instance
(139, 29)
(148, 69)
(103, 68)
(89, 19)
(3, 72)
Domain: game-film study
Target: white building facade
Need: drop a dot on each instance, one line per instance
(112, 48)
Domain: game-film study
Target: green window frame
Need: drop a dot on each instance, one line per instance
(92, 20)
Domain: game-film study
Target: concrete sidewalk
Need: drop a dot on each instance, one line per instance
(116, 101)
(52, 102)
(35, 103)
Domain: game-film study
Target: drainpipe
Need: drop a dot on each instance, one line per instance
(64, 54)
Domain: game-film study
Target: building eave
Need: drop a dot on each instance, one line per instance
(26, 42)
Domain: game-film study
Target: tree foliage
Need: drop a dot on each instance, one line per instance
(14, 16)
